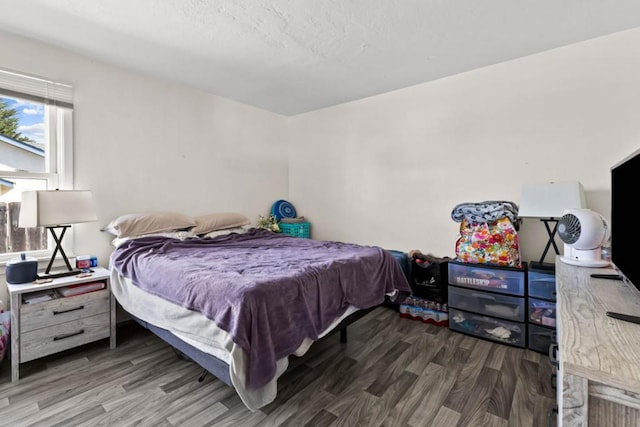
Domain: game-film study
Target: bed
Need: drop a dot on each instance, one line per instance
(240, 303)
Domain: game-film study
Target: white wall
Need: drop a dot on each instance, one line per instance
(388, 170)
(385, 171)
(144, 144)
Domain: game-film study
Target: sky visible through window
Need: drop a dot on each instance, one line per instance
(30, 118)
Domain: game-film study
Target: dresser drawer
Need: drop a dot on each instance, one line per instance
(490, 304)
(542, 285)
(499, 330)
(61, 310)
(494, 279)
(52, 339)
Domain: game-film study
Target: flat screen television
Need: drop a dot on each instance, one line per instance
(625, 192)
(625, 188)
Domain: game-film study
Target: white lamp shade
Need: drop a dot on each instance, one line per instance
(56, 207)
(550, 199)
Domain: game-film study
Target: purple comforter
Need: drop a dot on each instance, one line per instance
(268, 291)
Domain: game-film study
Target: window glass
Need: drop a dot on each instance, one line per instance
(22, 130)
(29, 147)
(12, 237)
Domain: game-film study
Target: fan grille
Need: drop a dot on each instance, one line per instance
(569, 228)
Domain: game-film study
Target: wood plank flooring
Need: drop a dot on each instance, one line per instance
(391, 372)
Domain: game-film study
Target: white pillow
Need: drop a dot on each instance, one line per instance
(138, 224)
(180, 235)
(219, 221)
(216, 233)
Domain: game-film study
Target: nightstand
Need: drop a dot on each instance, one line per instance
(44, 321)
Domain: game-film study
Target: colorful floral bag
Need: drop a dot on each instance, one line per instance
(488, 233)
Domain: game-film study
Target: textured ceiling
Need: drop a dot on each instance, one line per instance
(291, 57)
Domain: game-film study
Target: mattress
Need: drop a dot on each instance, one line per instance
(198, 331)
(251, 300)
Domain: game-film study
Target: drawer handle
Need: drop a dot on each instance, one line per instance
(67, 311)
(553, 353)
(554, 381)
(72, 334)
(553, 413)
(484, 296)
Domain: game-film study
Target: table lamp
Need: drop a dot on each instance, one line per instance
(56, 210)
(547, 201)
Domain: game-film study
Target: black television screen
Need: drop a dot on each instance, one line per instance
(625, 189)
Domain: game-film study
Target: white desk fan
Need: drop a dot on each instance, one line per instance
(583, 232)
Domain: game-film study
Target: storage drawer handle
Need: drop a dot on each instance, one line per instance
(484, 296)
(72, 334)
(67, 311)
(554, 381)
(553, 353)
(550, 416)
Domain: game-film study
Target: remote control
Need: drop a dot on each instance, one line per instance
(607, 276)
(625, 317)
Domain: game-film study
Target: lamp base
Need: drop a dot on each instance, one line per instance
(58, 274)
(48, 274)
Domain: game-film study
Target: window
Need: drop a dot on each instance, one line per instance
(35, 154)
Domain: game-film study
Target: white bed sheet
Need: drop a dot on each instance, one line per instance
(203, 334)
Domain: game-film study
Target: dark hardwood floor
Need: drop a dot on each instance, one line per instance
(391, 372)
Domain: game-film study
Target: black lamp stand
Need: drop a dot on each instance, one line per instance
(551, 242)
(58, 239)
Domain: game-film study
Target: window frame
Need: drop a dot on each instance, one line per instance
(58, 173)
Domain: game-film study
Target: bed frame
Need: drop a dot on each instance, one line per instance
(219, 368)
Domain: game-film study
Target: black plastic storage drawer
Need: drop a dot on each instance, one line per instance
(540, 338)
(504, 280)
(487, 303)
(498, 330)
(542, 285)
(542, 312)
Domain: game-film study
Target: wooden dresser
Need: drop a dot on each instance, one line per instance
(598, 356)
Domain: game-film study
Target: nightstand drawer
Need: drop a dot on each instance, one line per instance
(52, 339)
(61, 310)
